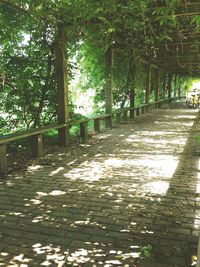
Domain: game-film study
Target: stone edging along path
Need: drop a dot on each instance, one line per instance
(128, 193)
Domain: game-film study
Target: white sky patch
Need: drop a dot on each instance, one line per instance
(26, 39)
(196, 85)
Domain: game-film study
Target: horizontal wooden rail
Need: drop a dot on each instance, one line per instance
(23, 134)
(36, 135)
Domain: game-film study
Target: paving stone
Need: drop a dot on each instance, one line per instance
(58, 240)
(94, 231)
(138, 197)
(2, 247)
(180, 231)
(102, 240)
(80, 244)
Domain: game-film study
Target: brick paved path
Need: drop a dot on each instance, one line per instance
(102, 203)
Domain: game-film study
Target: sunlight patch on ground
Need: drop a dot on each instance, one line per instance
(90, 171)
(159, 165)
(39, 201)
(151, 165)
(16, 261)
(42, 218)
(166, 164)
(35, 201)
(86, 222)
(56, 171)
(41, 194)
(115, 162)
(158, 187)
(53, 254)
(9, 183)
(79, 256)
(104, 136)
(34, 168)
(186, 116)
(158, 142)
(17, 214)
(57, 193)
(82, 256)
(157, 138)
(88, 252)
(176, 123)
(198, 188)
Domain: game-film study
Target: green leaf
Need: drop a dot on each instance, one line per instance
(111, 30)
(149, 247)
(30, 83)
(98, 10)
(146, 253)
(102, 19)
(39, 7)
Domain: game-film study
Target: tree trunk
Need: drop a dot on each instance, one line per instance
(62, 84)
(157, 85)
(109, 80)
(132, 88)
(169, 85)
(148, 84)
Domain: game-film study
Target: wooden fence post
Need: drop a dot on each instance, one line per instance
(138, 111)
(108, 121)
(83, 131)
(97, 125)
(125, 115)
(142, 109)
(37, 145)
(132, 113)
(118, 118)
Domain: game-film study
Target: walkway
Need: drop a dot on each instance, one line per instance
(128, 194)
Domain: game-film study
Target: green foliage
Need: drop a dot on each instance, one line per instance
(28, 31)
(122, 78)
(196, 21)
(145, 251)
(140, 83)
(189, 82)
(198, 138)
(91, 65)
(27, 71)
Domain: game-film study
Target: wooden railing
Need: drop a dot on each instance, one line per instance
(35, 135)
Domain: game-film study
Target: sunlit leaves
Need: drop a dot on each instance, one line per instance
(196, 21)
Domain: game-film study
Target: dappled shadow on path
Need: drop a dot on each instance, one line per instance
(104, 203)
(177, 215)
